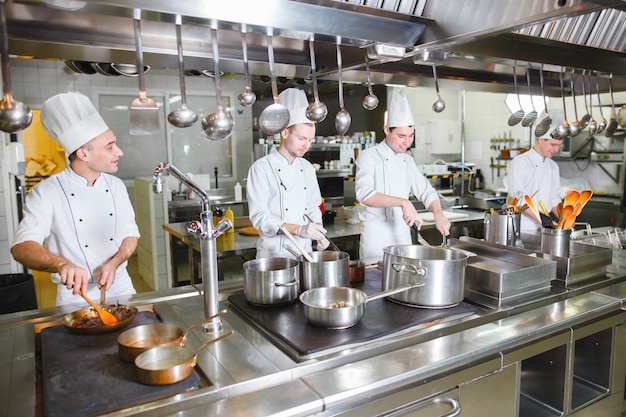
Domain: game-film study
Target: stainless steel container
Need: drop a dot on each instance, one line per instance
(329, 269)
(503, 229)
(269, 281)
(442, 271)
(555, 241)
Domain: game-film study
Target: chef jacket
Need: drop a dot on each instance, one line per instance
(85, 225)
(529, 172)
(279, 192)
(381, 170)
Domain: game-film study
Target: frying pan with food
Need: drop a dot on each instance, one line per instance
(87, 321)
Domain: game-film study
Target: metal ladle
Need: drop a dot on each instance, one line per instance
(343, 118)
(593, 125)
(14, 115)
(545, 123)
(275, 117)
(183, 116)
(574, 127)
(610, 129)
(531, 116)
(247, 98)
(316, 111)
(603, 123)
(370, 102)
(218, 125)
(440, 104)
(562, 130)
(584, 121)
(516, 117)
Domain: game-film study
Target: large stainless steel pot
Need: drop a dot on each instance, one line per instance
(329, 269)
(442, 270)
(270, 281)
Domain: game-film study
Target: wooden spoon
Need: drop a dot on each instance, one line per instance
(105, 316)
(585, 196)
(532, 208)
(571, 197)
(566, 213)
(559, 209)
(569, 222)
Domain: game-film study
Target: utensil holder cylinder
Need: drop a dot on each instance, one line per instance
(555, 241)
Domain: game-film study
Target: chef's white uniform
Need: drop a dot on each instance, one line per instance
(83, 224)
(380, 170)
(279, 192)
(529, 172)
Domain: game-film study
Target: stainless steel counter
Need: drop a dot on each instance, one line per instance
(249, 375)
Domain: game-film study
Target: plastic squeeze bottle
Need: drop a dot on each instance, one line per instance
(238, 196)
(229, 215)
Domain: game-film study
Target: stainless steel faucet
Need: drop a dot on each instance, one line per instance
(207, 233)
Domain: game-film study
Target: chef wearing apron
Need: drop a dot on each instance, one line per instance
(385, 177)
(282, 187)
(535, 170)
(83, 214)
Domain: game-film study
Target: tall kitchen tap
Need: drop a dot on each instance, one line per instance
(208, 252)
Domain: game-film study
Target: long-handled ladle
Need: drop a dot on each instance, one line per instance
(295, 242)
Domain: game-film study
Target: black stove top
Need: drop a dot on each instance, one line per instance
(288, 327)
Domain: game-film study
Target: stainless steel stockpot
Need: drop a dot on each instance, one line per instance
(329, 269)
(269, 281)
(442, 271)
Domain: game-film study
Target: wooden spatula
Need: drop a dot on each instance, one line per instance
(105, 316)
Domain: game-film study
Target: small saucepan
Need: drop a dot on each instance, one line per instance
(357, 270)
(169, 364)
(340, 307)
(137, 340)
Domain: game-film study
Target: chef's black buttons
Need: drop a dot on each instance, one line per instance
(305, 187)
(106, 191)
(111, 239)
(86, 246)
(80, 220)
(110, 214)
(72, 194)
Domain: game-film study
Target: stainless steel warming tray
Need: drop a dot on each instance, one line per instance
(497, 278)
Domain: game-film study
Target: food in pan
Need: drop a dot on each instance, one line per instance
(120, 312)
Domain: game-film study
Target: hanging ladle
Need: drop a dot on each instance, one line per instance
(182, 117)
(247, 98)
(516, 117)
(545, 123)
(531, 116)
(343, 118)
(316, 111)
(593, 125)
(439, 105)
(574, 127)
(275, 117)
(562, 130)
(218, 125)
(610, 129)
(602, 124)
(584, 121)
(370, 102)
(14, 115)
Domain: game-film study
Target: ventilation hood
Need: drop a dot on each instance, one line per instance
(474, 43)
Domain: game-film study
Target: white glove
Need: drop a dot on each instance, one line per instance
(313, 231)
(322, 244)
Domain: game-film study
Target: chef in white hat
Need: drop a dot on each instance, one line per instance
(385, 178)
(282, 187)
(83, 215)
(535, 170)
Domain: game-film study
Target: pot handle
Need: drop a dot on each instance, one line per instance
(207, 344)
(465, 251)
(183, 340)
(421, 271)
(286, 284)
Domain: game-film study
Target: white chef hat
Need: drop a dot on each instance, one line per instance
(72, 120)
(296, 102)
(557, 117)
(399, 112)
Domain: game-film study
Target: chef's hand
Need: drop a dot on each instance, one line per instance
(313, 231)
(322, 244)
(105, 274)
(73, 277)
(409, 214)
(442, 223)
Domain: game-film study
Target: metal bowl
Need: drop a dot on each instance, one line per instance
(70, 320)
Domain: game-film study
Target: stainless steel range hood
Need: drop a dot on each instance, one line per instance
(481, 39)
